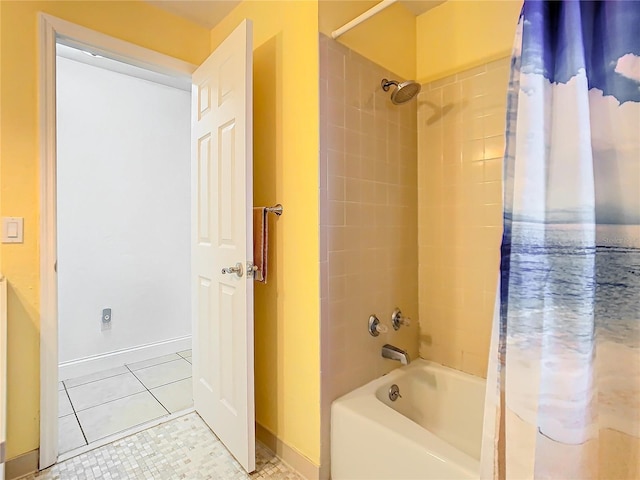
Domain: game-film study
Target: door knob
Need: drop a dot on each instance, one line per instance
(238, 270)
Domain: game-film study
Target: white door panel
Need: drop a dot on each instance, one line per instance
(222, 238)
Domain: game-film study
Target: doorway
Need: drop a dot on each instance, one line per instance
(123, 263)
(221, 305)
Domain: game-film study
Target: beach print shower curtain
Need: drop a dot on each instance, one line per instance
(563, 386)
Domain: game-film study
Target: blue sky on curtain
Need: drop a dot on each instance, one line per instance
(564, 377)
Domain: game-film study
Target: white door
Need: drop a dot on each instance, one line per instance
(222, 237)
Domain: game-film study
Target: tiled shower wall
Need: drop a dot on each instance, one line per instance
(368, 202)
(461, 122)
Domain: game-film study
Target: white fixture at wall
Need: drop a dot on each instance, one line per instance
(12, 229)
(361, 18)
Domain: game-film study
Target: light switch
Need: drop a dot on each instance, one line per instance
(12, 229)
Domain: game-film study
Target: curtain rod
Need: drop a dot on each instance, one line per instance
(361, 18)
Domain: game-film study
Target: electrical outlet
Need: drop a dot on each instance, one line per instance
(106, 319)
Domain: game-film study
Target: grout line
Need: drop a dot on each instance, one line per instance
(161, 404)
(113, 399)
(69, 398)
(120, 398)
(175, 381)
(92, 381)
(164, 384)
(168, 383)
(86, 442)
(180, 357)
(126, 366)
(133, 373)
(136, 377)
(75, 414)
(150, 393)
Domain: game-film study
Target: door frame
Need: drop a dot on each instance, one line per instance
(54, 30)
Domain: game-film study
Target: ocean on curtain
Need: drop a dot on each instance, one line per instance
(563, 386)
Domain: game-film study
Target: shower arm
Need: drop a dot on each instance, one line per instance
(386, 84)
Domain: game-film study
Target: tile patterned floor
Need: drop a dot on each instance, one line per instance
(104, 403)
(184, 448)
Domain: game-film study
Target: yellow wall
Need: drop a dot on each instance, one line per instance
(460, 34)
(388, 38)
(286, 139)
(135, 22)
(449, 38)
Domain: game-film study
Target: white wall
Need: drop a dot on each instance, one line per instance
(123, 210)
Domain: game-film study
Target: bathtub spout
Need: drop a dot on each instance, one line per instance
(395, 353)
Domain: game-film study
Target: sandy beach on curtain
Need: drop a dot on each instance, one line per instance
(570, 391)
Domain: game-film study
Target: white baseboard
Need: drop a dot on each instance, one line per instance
(105, 361)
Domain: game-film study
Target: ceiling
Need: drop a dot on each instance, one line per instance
(208, 13)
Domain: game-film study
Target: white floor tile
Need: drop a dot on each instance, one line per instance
(105, 390)
(164, 373)
(64, 405)
(69, 434)
(112, 372)
(175, 396)
(153, 361)
(109, 418)
(182, 448)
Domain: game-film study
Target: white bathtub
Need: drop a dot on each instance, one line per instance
(433, 432)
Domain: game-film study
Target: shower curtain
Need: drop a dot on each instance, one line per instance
(563, 386)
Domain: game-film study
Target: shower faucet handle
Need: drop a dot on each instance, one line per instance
(397, 319)
(375, 327)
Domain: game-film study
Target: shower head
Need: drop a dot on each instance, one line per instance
(403, 92)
